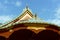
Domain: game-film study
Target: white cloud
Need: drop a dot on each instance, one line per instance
(56, 20)
(57, 13)
(4, 19)
(18, 3)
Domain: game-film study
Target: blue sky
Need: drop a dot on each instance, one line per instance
(48, 10)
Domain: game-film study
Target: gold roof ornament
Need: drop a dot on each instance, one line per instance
(26, 6)
(35, 16)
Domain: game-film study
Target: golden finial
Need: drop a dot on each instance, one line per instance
(35, 16)
(26, 6)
